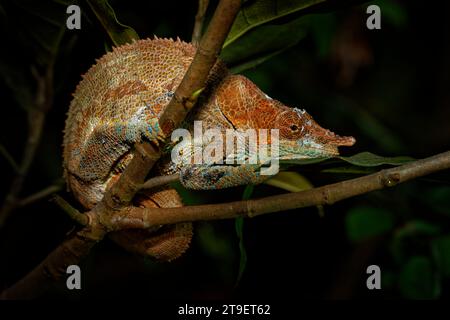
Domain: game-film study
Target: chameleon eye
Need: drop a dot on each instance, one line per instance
(294, 127)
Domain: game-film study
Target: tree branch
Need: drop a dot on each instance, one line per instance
(204, 59)
(40, 194)
(9, 158)
(74, 249)
(74, 214)
(199, 19)
(54, 266)
(326, 195)
(114, 212)
(145, 155)
(36, 119)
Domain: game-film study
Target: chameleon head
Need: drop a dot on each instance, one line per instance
(247, 107)
(301, 137)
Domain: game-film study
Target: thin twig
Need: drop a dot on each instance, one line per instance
(9, 158)
(73, 213)
(36, 119)
(160, 181)
(199, 19)
(40, 195)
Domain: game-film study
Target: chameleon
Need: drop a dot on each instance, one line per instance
(118, 103)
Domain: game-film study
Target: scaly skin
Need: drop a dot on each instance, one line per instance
(237, 103)
(119, 102)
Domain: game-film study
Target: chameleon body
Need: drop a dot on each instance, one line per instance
(118, 103)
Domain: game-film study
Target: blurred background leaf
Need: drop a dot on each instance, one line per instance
(119, 33)
(441, 251)
(260, 45)
(239, 225)
(366, 222)
(362, 159)
(290, 181)
(265, 28)
(393, 12)
(409, 239)
(418, 279)
(256, 13)
(368, 159)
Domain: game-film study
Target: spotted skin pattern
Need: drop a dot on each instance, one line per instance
(118, 103)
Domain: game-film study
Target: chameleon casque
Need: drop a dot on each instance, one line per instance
(118, 103)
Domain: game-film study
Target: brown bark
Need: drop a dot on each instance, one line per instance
(145, 155)
(326, 195)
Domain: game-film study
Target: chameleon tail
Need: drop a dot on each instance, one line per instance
(163, 243)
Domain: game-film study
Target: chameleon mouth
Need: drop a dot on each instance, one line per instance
(317, 149)
(339, 141)
(325, 146)
(327, 141)
(331, 146)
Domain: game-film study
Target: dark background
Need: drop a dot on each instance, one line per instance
(389, 88)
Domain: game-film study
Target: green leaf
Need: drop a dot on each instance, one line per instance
(302, 162)
(368, 159)
(119, 33)
(349, 170)
(218, 248)
(418, 227)
(441, 252)
(253, 62)
(248, 191)
(290, 181)
(323, 28)
(256, 13)
(408, 234)
(108, 47)
(263, 43)
(190, 197)
(212, 243)
(393, 12)
(418, 280)
(265, 28)
(363, 159)
(239, 225)
(366, 222)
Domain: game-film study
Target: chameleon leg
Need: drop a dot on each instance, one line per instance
(106, 144)
(207, 177)
(163, 243)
